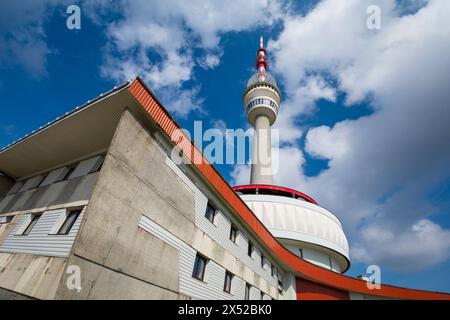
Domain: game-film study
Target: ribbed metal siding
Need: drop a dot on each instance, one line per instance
(220, 230)
(212, 287)
(39, 242)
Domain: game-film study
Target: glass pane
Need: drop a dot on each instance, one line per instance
(32, 223)
(199, 268)
(210, 213)
(69, 222)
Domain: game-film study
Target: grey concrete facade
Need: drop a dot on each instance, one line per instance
(126, 262)
(116, 258)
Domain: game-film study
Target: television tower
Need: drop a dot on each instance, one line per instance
(261, 102)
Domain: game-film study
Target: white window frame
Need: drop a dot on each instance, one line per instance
(24, 222)
(5, 219)
(63, 214)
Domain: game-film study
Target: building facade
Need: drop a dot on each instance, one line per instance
(92, 206)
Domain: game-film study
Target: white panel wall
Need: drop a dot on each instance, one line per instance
(220, 231)
(38, 241)
(212, 286)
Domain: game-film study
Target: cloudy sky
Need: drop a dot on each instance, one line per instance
(364, 124)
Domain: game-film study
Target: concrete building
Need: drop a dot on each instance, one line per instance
(92, 206)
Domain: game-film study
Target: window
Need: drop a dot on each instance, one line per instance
(69, 222)
(262, 260)
(247, 291)
(250, 248)
(199, 267)
(227, 284)
(34, 220)
(69, 173)
(280, 286)
(5, 219)
(273, 271)
(210, 213)
(233, 233)
(300, 251)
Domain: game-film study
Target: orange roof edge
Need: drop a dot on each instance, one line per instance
(145, 97)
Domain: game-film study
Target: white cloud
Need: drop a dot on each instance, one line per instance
(381, 166)
(422, 245)
(156, 39)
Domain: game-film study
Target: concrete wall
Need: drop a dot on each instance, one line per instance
(33, 275)
(11, 295)
(5, 185)
(117, 259)
(30, 275)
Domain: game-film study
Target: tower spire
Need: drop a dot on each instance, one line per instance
(261, 60)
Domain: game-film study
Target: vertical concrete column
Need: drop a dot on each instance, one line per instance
(261, 169)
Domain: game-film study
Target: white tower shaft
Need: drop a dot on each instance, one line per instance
(261, 101)
(261, 169)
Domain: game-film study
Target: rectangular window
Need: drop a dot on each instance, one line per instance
(210, 213)
(247, 291)
(262, 260)
(199, 267)
(69, 222)
(273, 271)
(250, 248)
(5, 219)
(34, 220)
(280, 286)
(233, 233)
(227, 283)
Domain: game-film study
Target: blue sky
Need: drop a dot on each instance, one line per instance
(364, 119)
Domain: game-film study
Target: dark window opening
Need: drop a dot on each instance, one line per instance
(233, 233)
(69, 222)
(227, 284)
(247, 291)
(34, 220)
(273, 271)
(199, 267)
(250, 248)
(210, 213)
